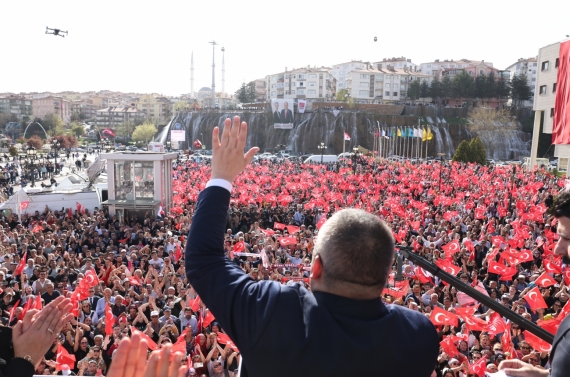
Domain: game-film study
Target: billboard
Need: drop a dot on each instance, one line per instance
(301, 105)
(283, 115)
(177, 135)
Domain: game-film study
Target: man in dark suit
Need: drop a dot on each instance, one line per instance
(277, 114)
(286, 114)
(559, 360)
(340, 327)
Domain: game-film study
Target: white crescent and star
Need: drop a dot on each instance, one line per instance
(530, 294)
(437, 320)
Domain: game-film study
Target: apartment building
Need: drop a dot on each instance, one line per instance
(436, 67)
(18, 106)
(111, 117)
(544, 101)
(529, 68)
(340, 71)
(155, 108)
(43, 106)
(382, 85)
(398, 63)
(302, 83)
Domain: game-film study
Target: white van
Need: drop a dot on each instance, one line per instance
(540, 162)
(326, 158)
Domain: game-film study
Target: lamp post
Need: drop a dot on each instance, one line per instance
(168, 145)
(280, 147)
(440, 167)
(55, 148)
(31, 152)
(322, 148)
(355, 155)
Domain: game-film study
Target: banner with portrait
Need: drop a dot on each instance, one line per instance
(283, 114)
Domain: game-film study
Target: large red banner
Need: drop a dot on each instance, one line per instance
(561, 126)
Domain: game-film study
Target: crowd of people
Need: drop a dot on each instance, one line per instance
(488, 225)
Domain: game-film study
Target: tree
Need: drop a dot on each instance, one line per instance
(491, 89)
(65, 141)
(446, 87)
(241, 94)
(473, 151)
(342, 95)
(77, 130)
(144, 132)
(503, 89)
(414, 90)
(463, 86)
(251, 93)
(462, 152)
(181, 105)
(436, 89)
(520, 91)
(53, 124)
(13, 151)
(123, 130)
(480, 90)
(35, 141)
(424, 89)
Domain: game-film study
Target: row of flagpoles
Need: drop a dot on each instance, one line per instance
(402, 141)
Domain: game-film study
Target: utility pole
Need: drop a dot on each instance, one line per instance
(223, 71)
(214, 44)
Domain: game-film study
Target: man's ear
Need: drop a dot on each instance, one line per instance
(317, 268)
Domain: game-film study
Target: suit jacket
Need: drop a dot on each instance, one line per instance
(286, 116)
(277, 117)
(559, 360)
(316, 334)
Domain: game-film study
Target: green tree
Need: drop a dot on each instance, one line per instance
(53, 125)
(463, 86)
(491, 89)
(123, 130)
(144, 132)
(241, 93)
(181, 105)
(424, 89)
(480, 89)
(436, 89)
(77, 129)
(503, 89)
(342, 95)
(414, 90)
(520, 89)
(473, 151)
(462, 152)
(250, 92)
(446, 87)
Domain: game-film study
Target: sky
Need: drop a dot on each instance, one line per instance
(145, 47)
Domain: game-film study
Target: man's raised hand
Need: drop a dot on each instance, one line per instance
(228, 159)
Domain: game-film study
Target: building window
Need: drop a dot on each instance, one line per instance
(363, 93)
(388, 94)
(556, 63)
(542, 89)
(312, 76)
(301, 91)
(554, 88)
(312, 92)
(363, 76)
(395, 94)
(551, 112)
(312, 84)
(545, 65)
(364, 84)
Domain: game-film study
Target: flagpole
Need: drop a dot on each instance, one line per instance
(19, 208)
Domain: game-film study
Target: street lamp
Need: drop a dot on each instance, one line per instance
(55, 148)
(168, 144)
(322, 148)
(440, 167)
(31, 152)
(355, 155)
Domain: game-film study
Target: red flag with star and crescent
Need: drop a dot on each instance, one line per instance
(440, 317)
(534, 299)
(109, 320)
(20, 269)
(64, 358)
(480, 367)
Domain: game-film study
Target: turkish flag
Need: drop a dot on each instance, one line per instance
(423, 276)
(64, 358)
(496, 324)
(37, 303)
(239, 246)
(479, 213)
(545, 280)
(293, 229)
(496, 268)
(24, 205)
(286, 241)
(225, 339)
(321, 222)
(473, 323)
(150, 343)
(440, 317)
(20, 269)
(538, 344)
(37, 229)
(195, 305)
(448, 266)
(179, 346)
(12, 311)
(451, 248)
(69, 213)
(466, 311)
(561, 123)
(535, 299)
(566, 276)
(525, 256)
(209, 318)
(90, 279)
(280, 226)
(480, 367)
(177, 253)
(551, 266)
(134, 280)
(448, 347)
(109, 320)
(124, 240)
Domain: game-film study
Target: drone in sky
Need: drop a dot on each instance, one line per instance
(58, 32)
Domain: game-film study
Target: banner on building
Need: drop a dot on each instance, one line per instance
(301, 105)
(283, 115)
(561, 125)
(177, 135)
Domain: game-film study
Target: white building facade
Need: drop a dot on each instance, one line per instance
(401, 63)
(434, 67)
(340, 71)
(303, 83)
(385, 85)
(544, 100)
(529, 68)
